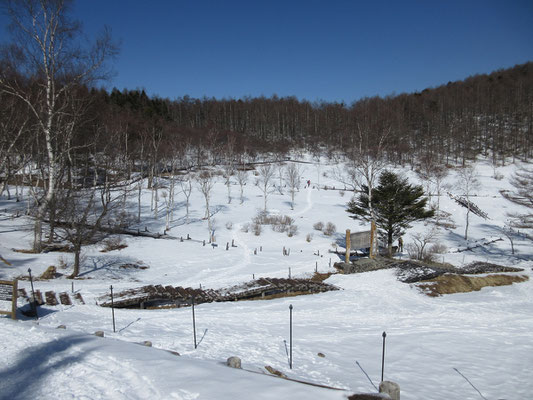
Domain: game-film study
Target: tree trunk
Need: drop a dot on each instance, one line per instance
(139, 203)
(389, 243)
(77, 252)
(467, 221)
(292, 199)
(37, 235)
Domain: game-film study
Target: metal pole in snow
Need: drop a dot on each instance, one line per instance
(290, 336)
(34, 304)
(383, 356)
(112, 308)
(194, 324)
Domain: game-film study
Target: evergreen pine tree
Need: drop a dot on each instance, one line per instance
(396, 204)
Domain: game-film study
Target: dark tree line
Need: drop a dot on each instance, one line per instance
(489, 115)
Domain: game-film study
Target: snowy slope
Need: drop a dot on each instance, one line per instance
(486, 335)
(56, 364)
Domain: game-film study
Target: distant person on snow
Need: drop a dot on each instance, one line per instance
(400, 244)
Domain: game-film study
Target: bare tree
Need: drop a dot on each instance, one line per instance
(467, 182)
(229, 170)
(316, 158)
(139, 195)
(522, 181)
(83, 214)
(186, 188)
(168, 208)
(418, 249)
(432, 174)
(348, 175)
(292, 177)
(90, 211)
(264, 182)
(44, 67)
(205, 181)
(242, 178)
(366, 162)
(510, 233)
(229, 165)
(438, 176)
(281, 173)
(14, 138)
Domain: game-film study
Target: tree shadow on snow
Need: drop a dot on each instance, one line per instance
(490, 251)
(24, 379)
(110, 265)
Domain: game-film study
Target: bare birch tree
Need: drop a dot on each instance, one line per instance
(229, 170)
(467, 182)
(43, 67)
(292, 177)
(205, 181)
(186, 188)
(264, 182)
(242, 178)
(281, 175)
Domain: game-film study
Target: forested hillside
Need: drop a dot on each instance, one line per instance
(489, 115)
(484, 114)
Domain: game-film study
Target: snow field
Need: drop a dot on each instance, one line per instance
(486, 335)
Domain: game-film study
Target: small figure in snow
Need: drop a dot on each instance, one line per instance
(308, 183)
(400, 244)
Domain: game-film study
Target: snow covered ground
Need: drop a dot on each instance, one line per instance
(486, 335)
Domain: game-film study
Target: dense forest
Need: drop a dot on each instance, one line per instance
(484, 115)
(489, 115)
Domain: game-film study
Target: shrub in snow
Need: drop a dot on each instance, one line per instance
(438, 248)
(330, 229)
(114, 243)
(261, 218)
(279, 223)
(309, 237)
(229, 225)
(292, 230)
(245, 228)
(498, 176)
(420, 249)
(416, 252)
(318, 226)
(256, 229)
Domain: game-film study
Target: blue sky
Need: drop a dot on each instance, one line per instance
(314, 50)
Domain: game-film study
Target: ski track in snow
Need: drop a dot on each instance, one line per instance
(242, 245)
(307, 207)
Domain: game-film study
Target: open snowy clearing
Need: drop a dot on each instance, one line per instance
(486, 335)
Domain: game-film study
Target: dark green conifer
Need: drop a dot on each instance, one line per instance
(395, 203)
